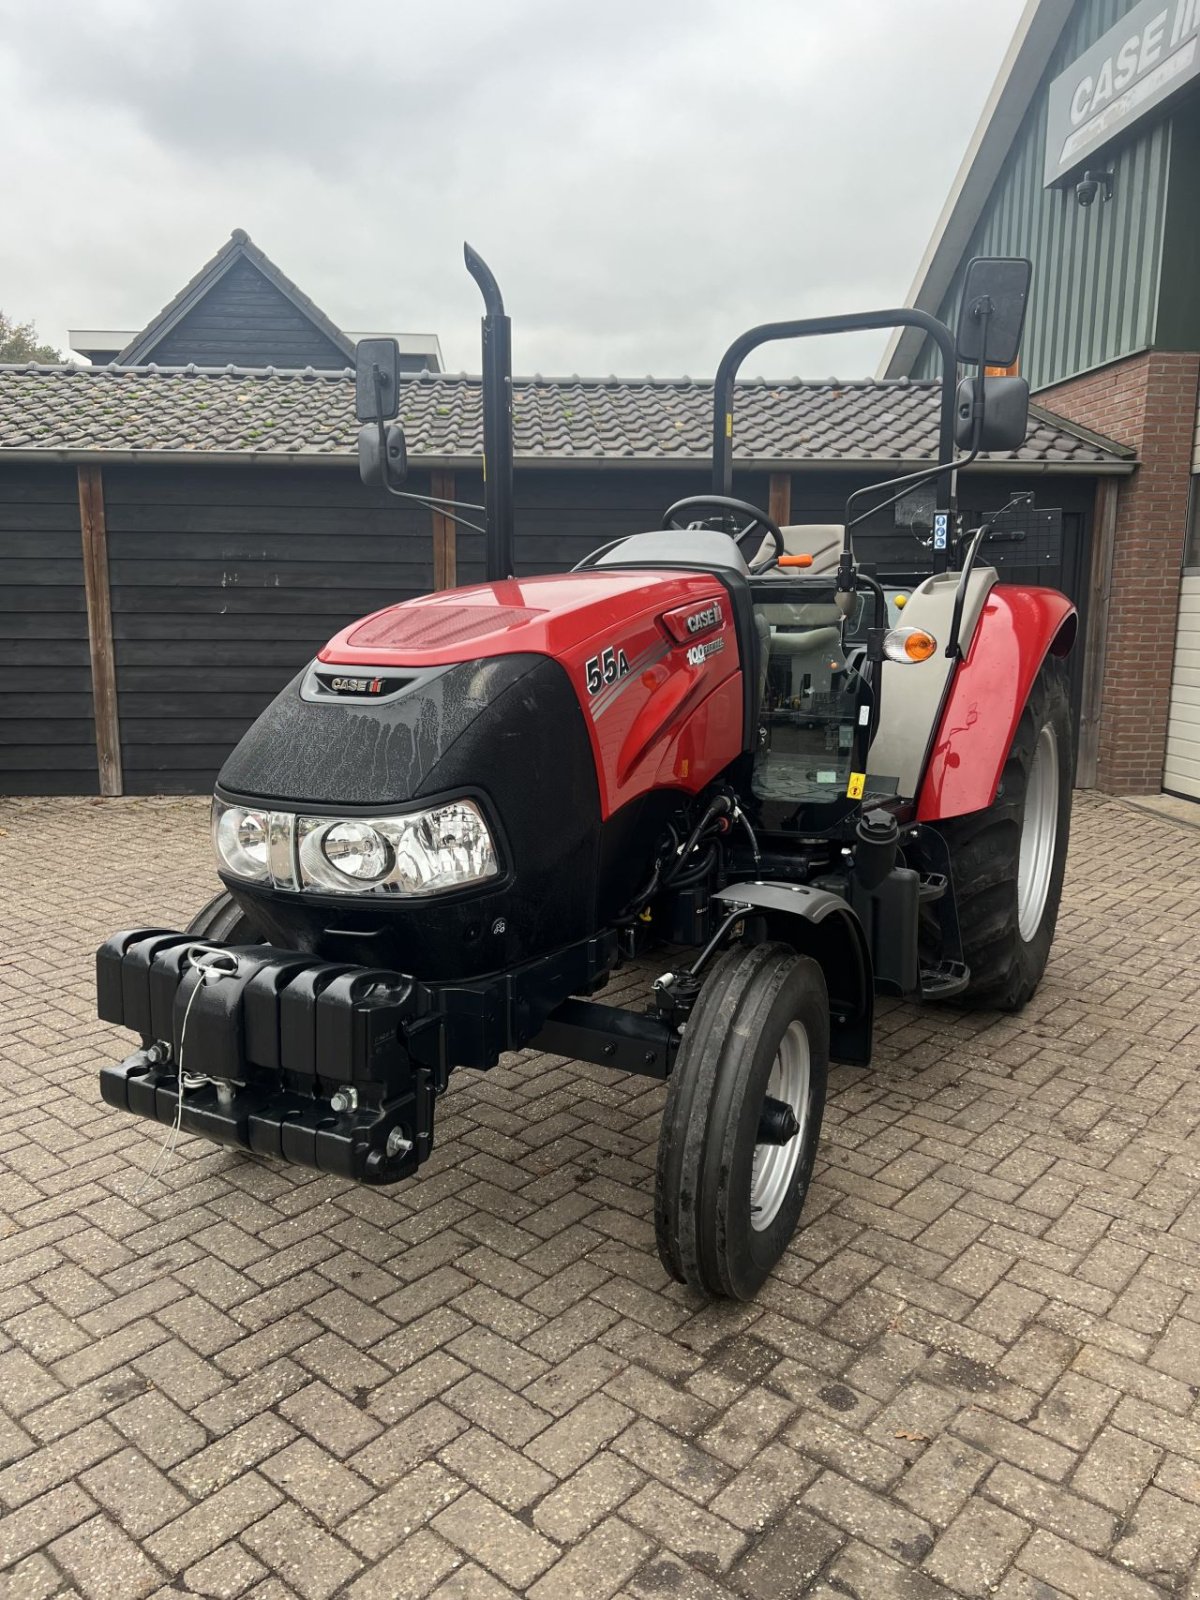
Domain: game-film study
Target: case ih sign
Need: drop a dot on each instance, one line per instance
(1152, 52)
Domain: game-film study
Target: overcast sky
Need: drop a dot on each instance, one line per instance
(645, 177)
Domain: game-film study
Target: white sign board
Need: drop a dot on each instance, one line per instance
(1152, 52)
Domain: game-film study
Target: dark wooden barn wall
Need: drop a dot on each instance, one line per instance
(47, 732)
(561, 516)
(225, 581)
(244, 319)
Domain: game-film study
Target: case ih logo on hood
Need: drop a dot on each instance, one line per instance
(345, 683)
(356, 685)
(711, 617)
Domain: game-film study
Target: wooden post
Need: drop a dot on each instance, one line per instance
(1104, 523)
(94, 534)
(780, 505)
(445, 556)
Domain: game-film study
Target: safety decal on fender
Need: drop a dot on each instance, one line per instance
(854, 789)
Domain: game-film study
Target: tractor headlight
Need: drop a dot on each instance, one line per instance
(425, 852)
(421, 853)
(242, 840)
(358, 850)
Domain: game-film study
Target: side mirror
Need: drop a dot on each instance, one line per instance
(382, 455)
(376, 379)
(994, 299)
(1005, 406)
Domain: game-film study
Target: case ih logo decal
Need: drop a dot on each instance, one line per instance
(711, 617)
(356, 685)
(685, 623)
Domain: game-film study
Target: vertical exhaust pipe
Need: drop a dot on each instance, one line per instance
(497, 421)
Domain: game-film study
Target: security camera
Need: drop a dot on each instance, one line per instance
(1093, 186)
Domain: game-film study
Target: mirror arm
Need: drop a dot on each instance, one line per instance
(420, 500)
(909, 481)
(960, 594)
(377, 381)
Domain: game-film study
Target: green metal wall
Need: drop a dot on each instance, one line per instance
(1096, 270)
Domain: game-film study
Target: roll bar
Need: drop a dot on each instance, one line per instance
(994, 300)
(809, 327)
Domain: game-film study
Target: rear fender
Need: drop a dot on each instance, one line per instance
(819, 924)
(1019, 627)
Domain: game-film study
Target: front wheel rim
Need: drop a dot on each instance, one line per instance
(1039, 833)
(775, 1165)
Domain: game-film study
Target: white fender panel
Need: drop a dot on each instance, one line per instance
(912, 692)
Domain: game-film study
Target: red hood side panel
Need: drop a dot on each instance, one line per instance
(663, 705)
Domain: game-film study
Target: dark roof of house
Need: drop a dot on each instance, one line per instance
(238, 247)
(279, 415)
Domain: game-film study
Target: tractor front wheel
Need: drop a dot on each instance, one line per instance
(224, 920)
(1008, 861)
(743, 1117)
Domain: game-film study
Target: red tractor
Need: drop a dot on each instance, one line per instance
(723, 737)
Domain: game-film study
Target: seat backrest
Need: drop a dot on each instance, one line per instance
(820, 540)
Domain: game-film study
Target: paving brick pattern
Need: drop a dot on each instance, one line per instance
(977, 1371)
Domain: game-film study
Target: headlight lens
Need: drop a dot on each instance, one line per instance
(424, 852)
(357, 849)
(444, 849)
(242, 840)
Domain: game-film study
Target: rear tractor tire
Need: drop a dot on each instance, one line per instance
(1008, 861)
(742, 1120)
(224, 920)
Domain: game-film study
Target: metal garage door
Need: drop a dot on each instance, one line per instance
(1181, 774)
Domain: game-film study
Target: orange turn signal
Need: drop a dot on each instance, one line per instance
(908, 644)
(795, 561)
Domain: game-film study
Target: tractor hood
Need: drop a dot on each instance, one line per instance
(562, 707)
(548, 616)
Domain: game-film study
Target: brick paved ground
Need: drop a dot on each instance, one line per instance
(977, 1372)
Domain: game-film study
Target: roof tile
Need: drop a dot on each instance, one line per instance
(239, 412)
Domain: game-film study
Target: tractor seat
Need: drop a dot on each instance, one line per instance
(820, 540)
(809, 632)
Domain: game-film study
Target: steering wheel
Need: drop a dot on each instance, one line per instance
(725, 508)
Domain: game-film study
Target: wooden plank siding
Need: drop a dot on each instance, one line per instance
(93, 527)
(47, 726)
(245, 320)
(225, 581)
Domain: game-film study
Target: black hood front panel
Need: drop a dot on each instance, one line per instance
(509, 730)
(304, 752)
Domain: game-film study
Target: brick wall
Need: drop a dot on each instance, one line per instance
(1149, 402)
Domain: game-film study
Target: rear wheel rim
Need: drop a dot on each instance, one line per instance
(1039, 833)
(775, 1165)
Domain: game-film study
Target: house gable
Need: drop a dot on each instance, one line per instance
(240, 309)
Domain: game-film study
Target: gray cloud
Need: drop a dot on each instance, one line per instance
(646, 178)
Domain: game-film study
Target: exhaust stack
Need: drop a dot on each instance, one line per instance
(497, 421)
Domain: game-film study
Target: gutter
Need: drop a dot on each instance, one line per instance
(1114, 467)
